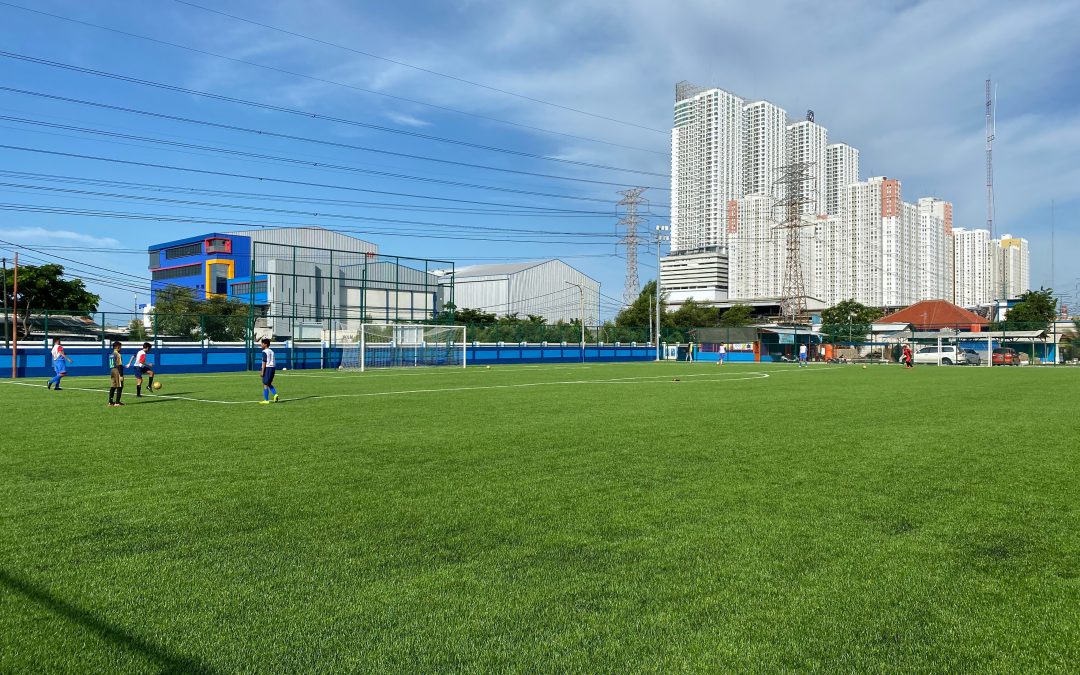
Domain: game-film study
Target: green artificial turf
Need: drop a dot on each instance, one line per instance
(590, 519)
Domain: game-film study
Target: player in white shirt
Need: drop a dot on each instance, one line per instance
(802, 355)
(59, 361)
(267, 372)
(142, 367)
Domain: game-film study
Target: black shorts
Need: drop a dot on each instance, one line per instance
(268, 376)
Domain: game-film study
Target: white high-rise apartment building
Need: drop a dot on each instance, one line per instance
(935, 260)
(756, 248)
(862, 223)
(831, 279)
(764, 150)
(863, 241)
(882, 233)
(806, 142)
(1015, 264)
(706, 165)
(841, 170)
(973, 266)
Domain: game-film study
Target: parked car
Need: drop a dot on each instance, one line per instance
(971, 357)
(1005, 356)
(947, 355)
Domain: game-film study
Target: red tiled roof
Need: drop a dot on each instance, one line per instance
(935, 314)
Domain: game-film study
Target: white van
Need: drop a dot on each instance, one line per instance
(946, 355)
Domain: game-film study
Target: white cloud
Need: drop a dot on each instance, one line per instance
(407, 120)
(902, 81)
(40, 235)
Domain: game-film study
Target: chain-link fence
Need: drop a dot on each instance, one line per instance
(1000, 344)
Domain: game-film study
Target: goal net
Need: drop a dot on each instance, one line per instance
(404, 346)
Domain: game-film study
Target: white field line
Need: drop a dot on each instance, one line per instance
(383, 372)
(646, 379)
(105, 391)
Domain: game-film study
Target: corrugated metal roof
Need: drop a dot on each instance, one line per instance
(314, 237)
(496, 269)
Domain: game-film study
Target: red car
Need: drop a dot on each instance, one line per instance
(1005, 356)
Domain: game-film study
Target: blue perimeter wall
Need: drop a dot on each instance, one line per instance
(93, 360)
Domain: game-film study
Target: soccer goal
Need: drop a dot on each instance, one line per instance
(381, 345)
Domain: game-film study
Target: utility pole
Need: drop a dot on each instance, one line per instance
(661, 237)
(5, 304)
(792, 185)
(631, 200)
(1052, 256)
(14, 326)
(581, 309)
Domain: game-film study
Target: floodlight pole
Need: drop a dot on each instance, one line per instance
(5, 303)
(661, 236)
(581, 303)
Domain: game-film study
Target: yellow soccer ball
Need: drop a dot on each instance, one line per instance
(157, 386)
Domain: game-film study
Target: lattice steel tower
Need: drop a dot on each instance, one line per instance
(792, 184)
(631, 200)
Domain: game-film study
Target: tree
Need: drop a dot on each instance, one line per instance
(43, 287)
(737, 315)
(642, 311)
(847, 321)
(178, 313)
(469, 317)
(693, 314)
(1071, 341)
(1035, 311)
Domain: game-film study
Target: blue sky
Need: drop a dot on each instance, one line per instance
(902, 81)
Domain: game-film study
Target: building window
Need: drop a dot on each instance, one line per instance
(219, 245)
(177, 272)
(155, 259)
(183, 251)
(244, 288)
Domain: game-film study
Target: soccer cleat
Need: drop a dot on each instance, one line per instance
(57, 388)
(264, 402)
(49, 385)
(276, 398)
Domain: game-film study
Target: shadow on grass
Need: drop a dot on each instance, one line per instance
(168, 661)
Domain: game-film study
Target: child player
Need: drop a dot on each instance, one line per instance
(116, 375)
(142, 367)
(60, 361)
(267, 372)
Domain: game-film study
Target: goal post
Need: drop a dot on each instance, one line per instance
(388, 345)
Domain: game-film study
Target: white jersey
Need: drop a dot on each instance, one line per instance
(268, 358)
(57, 352)
(140, 359)
(802, 350)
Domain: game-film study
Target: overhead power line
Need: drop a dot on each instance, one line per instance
(314, 214)
(286, 181)
(322, 80)
(425, 70)
(128, 162)
(302, 139)
(517, 212)
(285, 160)
(169, 218)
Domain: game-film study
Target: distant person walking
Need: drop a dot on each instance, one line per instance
(690, 352)
(721, 354)
(908, 361)
(802, 356)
